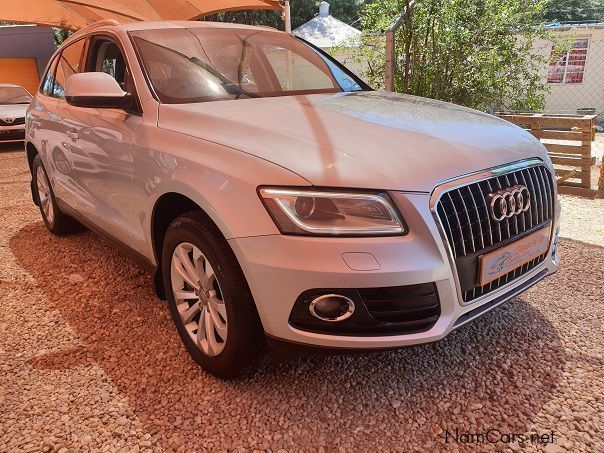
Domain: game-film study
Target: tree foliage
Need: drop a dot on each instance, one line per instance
(574, 11)
(477, 53)
(302, 11)
(60, 35)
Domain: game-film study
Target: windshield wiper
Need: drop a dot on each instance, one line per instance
(231, 88)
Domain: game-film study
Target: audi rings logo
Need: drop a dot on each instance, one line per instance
(509, 202)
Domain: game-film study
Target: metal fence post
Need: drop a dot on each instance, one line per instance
(390, 55)
(390, 45)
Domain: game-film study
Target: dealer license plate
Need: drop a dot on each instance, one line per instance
(504, 260)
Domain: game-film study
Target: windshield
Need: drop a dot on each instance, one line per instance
(14, 95)
(209, 64)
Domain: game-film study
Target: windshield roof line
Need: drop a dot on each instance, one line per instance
(342, 80)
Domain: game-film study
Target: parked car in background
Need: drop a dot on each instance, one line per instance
(279, 201)
(14, 101)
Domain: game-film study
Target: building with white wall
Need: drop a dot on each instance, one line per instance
(575, 70)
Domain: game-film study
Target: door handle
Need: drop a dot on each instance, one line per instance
(73, 135)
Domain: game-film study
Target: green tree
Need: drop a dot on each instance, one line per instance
(251, 17)
(60, 35)
(574, 10)
(302, 11)
(477, 53)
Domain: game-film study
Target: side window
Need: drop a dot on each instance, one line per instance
(47, 84)
(69, 64)
(108, 58)
(105, 55)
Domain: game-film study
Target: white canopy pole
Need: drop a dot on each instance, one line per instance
(287, 17)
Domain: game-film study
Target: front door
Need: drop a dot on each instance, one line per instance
(99, 143)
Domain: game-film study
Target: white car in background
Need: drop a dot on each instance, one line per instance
(14, 100)
(279, 201)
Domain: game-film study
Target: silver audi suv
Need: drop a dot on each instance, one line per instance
(282, 204)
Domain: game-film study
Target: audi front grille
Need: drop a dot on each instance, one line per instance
(471, 230)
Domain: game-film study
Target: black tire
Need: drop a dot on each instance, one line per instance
(60, 223)
(245, 348)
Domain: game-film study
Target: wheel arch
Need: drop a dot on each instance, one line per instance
(31, 152)
(167, 207)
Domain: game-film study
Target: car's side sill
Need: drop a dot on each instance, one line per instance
(124, 249)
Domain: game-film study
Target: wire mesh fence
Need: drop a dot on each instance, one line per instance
(575, 75)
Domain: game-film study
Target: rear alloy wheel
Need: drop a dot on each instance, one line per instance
(44, 195)
(56, 222)
(209, 298)
(198, 299)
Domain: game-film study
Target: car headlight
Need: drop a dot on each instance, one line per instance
(332, 213)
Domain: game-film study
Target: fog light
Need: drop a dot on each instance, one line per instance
(332, 307)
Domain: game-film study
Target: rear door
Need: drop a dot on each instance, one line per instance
(48, 134)
(59, 142)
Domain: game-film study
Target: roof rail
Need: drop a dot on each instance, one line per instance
(92, 26)
(100, 23)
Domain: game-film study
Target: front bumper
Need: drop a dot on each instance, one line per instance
(280, 268)
(10, 134)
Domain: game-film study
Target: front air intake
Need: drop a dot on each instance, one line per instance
(370, 311)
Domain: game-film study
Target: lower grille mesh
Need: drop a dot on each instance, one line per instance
(12, 134)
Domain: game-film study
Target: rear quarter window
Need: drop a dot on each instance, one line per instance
(48, 81)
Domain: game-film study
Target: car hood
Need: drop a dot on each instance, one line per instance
(360, 140)
(13, 111)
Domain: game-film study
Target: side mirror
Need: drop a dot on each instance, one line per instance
(95, 90)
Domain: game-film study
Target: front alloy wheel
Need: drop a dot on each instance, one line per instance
(209, 298)
(198, 299)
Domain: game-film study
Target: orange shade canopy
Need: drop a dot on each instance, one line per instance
(76, 14)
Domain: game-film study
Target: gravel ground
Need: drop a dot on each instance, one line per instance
(89, 360)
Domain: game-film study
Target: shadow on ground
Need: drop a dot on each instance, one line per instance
(503, 367)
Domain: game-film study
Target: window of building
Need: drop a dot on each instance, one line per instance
(568, 65)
